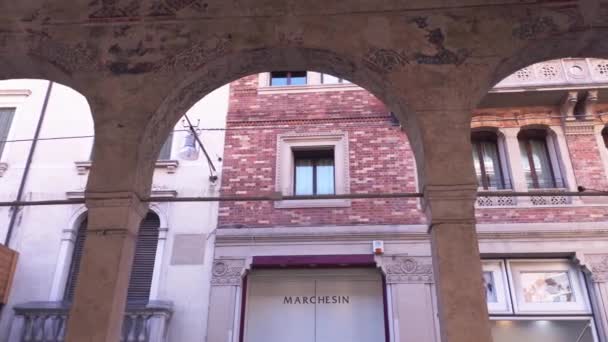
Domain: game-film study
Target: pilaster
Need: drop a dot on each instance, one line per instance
(410, 298)
(225, 299)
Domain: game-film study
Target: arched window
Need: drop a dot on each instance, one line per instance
(539, 168)
(487, 161)
(143, 263)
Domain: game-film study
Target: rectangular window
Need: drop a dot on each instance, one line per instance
(329, 79)
(6, 119)
(314, 172)
(287, 78)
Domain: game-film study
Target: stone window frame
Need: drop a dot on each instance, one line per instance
(314, 84)
(66, 252)
(581, 304)
(11, 98)
(554, 154)
(505, 166)
(284, 180)
(501, 285)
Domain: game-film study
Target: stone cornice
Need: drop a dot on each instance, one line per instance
(403, 233)
(328, 234)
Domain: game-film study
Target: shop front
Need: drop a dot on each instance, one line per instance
(315, 305)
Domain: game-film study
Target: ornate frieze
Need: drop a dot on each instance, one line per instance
(406, 269)
(228, 272)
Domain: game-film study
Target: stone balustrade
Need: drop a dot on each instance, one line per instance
(46, 322)
(567, 72)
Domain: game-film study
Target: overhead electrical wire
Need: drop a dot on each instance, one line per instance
(277, 197)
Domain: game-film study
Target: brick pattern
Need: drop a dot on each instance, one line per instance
(381, 159)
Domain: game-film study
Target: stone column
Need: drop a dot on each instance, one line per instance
(225, 300)
(597, 265)
(99, 303)
(409, 291)
(450, 190)
(463, 314)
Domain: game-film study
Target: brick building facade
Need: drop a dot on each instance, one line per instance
(545, 141)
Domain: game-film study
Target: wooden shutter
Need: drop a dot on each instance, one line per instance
(143, 263)
(6, 118)
(165, 151)
(75, 263)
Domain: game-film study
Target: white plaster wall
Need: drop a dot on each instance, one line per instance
(37, 236)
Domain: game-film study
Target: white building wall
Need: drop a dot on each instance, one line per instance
(182, 273)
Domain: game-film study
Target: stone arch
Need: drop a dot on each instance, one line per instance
(236, 65)
(28, 66)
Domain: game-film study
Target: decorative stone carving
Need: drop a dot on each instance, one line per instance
(406, 269)
(227, 272)
(384, 60)
(558, 73)
(598, 265)
(196, 54)
(171, 7)
(113, 9)
(533, 27)
(567, 107)
(68, 58)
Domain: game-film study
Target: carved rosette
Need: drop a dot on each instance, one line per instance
(405, 269)
(598, 265)
(227, 272)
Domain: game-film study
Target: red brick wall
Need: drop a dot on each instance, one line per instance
(381, 159)
(586, 161)
(379, 154)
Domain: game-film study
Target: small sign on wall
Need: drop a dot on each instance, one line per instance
(188, 249)
(8, 264)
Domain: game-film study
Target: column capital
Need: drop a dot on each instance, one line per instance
(596, 265)
(405, 269)
(229, 271)
(450, 203)
(113, 199)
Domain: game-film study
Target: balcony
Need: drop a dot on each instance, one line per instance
(46, 321)
(560, 73)
(546, 83)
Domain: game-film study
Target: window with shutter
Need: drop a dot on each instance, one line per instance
(75, 263)
(6, 118)
(143, 263)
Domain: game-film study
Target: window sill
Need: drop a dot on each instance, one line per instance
(309, 88)
(320, 203)
(3, 168)
(82, 167)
